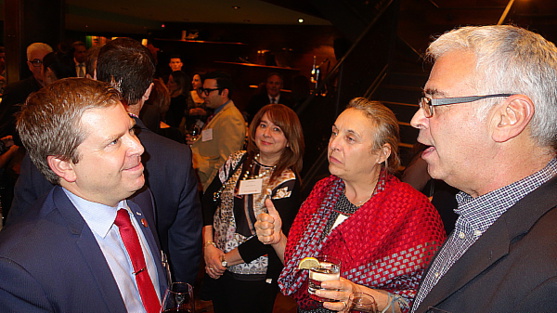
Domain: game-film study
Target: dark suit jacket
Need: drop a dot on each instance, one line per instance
(513, 265)
(169, 175)
(262, 99)
(51, 262)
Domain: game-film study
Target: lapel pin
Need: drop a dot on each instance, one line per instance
(144, 222)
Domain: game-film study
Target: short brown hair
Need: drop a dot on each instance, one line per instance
(50, 121)
(387, 129)
(287, 120)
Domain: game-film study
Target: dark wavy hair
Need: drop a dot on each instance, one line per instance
(287, 120)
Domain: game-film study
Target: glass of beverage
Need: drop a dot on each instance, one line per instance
(328, 269)
(178, 298)
(195, 133)
(363, 302)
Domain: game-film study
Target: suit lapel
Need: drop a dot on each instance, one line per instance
(494, 244)
(93, 257)
(481, 255)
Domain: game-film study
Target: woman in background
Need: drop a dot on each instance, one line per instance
(197, 112)
(243, 270)
(179, 86)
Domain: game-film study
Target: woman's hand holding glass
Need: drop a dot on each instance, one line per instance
(340, 291)
(213, 261)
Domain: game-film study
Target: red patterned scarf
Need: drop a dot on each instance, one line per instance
(386, 244)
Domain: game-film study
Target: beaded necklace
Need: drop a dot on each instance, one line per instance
(261, 173)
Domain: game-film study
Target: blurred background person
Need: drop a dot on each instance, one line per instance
(225, 130)
(55, 67)
(243, 272)
(79, 57)
(154, 111)
(179, 86)
(196, 85)
(197, 112)
(361, 215)
(175, 63)
(270, 94)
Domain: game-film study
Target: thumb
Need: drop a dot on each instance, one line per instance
(271, 209)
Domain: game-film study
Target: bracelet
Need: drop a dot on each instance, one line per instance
(210, 242)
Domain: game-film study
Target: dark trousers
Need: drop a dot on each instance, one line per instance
(238, 296)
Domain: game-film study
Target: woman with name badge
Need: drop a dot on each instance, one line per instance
(243, 272)
(381, 232)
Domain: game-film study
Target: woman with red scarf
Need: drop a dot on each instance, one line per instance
(382, 230)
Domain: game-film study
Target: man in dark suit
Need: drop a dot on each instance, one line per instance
(168, 167)
(488, 121)
(68, 253)
(14, 95)
(271, 94)
(17, 92)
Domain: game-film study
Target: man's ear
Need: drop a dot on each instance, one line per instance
(225, 92)
(148, 92)
(63, 168)
(512, 117)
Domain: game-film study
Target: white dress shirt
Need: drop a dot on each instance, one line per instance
(100, 219)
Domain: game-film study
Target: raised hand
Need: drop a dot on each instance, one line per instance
(268, 225)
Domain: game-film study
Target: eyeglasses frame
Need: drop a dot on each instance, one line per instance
(207, 91)
(36, 62)
(431, 103)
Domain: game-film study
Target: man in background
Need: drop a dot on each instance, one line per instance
(271, 94)
(79, 57)
(488, 119)
(224, 132)
(175, 63)
(15, 94)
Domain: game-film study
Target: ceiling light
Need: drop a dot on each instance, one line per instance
(235, 7)
(300, 20)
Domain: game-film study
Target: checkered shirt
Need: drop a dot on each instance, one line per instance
(475, 217)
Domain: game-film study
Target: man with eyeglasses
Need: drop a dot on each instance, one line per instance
(489, 119)
(224, 132)
(15, 94)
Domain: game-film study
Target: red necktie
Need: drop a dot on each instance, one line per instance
(131, 241)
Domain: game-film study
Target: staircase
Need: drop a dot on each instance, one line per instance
(387, 39)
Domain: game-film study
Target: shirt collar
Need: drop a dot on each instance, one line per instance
(473, 210)
(217, 110)
(99, 217)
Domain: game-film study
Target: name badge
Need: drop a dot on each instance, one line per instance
(207, 134)
(250, 186)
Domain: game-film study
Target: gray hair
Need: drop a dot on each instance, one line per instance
(36, 46)
(510, 60)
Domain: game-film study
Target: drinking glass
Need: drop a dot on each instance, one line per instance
(195, 132)
(328, 269)
(178, 298)
(362, 302)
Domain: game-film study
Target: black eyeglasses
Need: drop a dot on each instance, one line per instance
(36, 62)
(207, 91)
(427, 103)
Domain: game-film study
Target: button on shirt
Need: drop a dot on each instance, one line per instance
(100, 219)
(475, 217)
